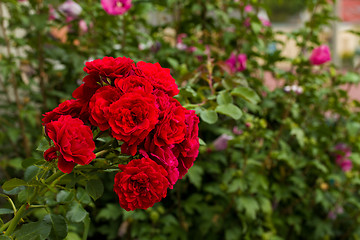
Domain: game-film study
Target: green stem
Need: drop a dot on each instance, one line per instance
(56, 175)
(101, 152)
(14, 222)
(3, 227)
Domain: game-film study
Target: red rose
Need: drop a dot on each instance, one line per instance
(171, 127)
(131, 118)
(141, 184)
(86, 90)
(163, 156)
(109, 67)
(187, 151)
(132, 83)
(51, 154)
(160, 77)
(74, 141)
(69, 107)
(99, 106)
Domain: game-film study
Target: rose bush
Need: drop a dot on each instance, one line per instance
(278, 173)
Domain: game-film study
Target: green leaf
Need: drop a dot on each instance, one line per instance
(299, 134)
(86, 227)
(229, 110)
(72, 236)
(256, 27)
(6, 211)
(33, 231)
(224, 97)
(249, 204)
(64, 196)
(43, 145)
(209, 116)
(4, 238)
(26, 194)
(265, 205)
(13, 183)
(195, 175)
(77, 213)
(58, 226)
(30, 173)
(95, 188)
(30, 161)
(233, 233)
(83, 196)
(110, 212)
(350, 77)
(246, 93)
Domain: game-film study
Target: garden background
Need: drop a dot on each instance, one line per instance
(279, 132)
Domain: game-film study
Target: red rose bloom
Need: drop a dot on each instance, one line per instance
(99, 106)
(160, 77)
(109, 67)
(69, 107)
(132, 83)
(163, 156)
(141, 184)
(86, 90)
(131, 119)
(171, 128)
(187, 151)
(51, 154)
(73, 139)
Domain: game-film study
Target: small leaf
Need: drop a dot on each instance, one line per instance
(95, 188)
(209, 116)
(58, 226)
(13, 183)
(64, 196)
(30, 173)
(224, 97)
(246, 93)
(229, 110)
(195, 175)
(83, 196)
(33, 231)
(77, 213)
(43, 145)
(30, 161)
(6, 211)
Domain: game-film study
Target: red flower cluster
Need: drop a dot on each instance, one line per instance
(135, 104)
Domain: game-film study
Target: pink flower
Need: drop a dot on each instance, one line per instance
(248, 8)
(116, 7)
(71, 9)
(83, 26)
(342, 154)
(221, 142)
(237, 63)
(237, 131)
(265, 22)
(320, 55)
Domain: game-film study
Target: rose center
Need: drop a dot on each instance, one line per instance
(119, 4)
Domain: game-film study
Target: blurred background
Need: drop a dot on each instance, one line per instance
(278, 160)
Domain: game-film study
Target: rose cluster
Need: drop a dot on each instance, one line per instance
(134, 104)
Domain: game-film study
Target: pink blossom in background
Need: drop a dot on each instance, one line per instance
(116, 7)
(237, 63)
(52, 13)
(84, 27)
(248, 8)
(221, 142)
(237, 131)
(247, 22)
(342, 154)
(265, 22)
(71, 9)
(320, 55)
